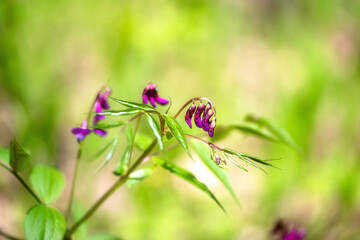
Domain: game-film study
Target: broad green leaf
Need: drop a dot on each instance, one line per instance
(47, 182)
(19, 158)
(109, 125)
(44, 223)
(123, 164)
(140, 174)
(156, 130)
(203, 151)
(104, 236)
(187, 176)
(109, 155)
(177, 131)
(101, 151)
(119, 113)
(132, 105)
(4, 155)
(142, 141)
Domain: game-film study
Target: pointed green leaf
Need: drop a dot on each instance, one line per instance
(119, 113)
(187, 176)
(123, 164)
(109, 155)
(240, 156)
(177, 131)
(102, 150)
(203, 151)
(234, 162)
(47, 182)
(134, 105)
(19, 159)
(109, 125)
(44, 223)
(4, 155)
(156, 130)
(140, 174)
(253, 131)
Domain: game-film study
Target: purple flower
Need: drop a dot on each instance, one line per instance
(82, 131)
(101, 103)
(204, 117)
(197, 116)
(189, 114)
(294, 234)
(150, 94)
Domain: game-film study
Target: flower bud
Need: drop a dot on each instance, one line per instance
(189, 114)
(217, 158)
(205, 120)
(197, 116)
(212, 127)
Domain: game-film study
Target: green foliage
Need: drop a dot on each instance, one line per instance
(110, 124)
(19, 158)
(203, 151)
(44, 223)
(124, 160)
(119, 113)
(133, 105)
(47, 182)
(177, 131)
(142, 141)
(187, 176)
(156, 130)
(140, 174)
(113, 144)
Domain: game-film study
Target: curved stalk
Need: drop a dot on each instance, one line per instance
(192, 100)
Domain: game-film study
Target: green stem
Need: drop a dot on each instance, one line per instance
(73, 184)
(7, 236)
(22, 182)
(111, 190)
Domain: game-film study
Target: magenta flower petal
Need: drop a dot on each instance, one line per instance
(197, 117)
(98, 107)
(81, 132)
(152, 101)
(161, 101)
(145, 97)
(100, 132)
(295, 234)
(102, 100)
(189, 114)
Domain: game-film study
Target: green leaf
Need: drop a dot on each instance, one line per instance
(280, 133)
(119, 113)
(140, 174)
(4, 155)
(138, 106)
(177, 131)
(19, 159)
(142, 141)
(240, 156)
(44, 223)
(156, 130)
(47, 182)
(109, 125)
(125, 159)
(187, 176)
(234, 162)
(203, 151)
(104, 236)
(253, 131)
(101, 151)
(109, 155)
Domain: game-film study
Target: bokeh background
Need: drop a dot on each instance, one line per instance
(296, 62)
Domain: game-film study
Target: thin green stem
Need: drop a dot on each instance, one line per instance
(73, 183)
(8, 236)
(204, 141)
(111, 190)
(32, 193)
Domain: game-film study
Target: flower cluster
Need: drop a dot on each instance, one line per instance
(100, 105)
(150, 94)
(204, 117)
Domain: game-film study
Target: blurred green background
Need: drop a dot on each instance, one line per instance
(296, 62)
